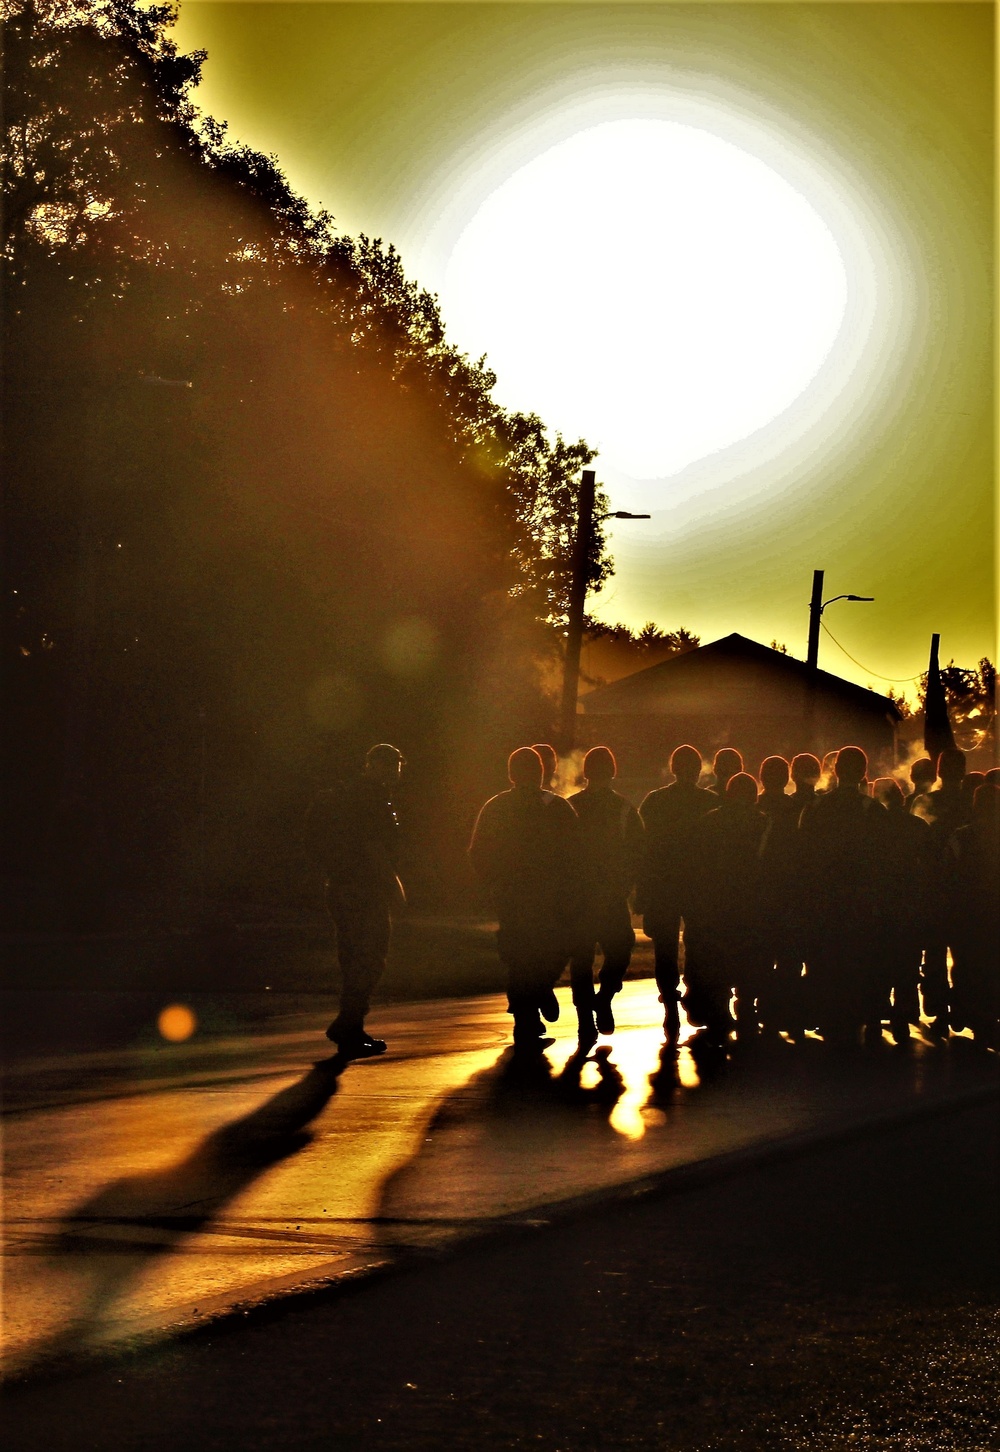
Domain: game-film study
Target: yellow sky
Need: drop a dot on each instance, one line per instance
(401, 118)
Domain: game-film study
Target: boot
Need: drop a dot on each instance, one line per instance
(603, 1014)
(586, 1028)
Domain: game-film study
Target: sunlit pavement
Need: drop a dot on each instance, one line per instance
(151, 1189)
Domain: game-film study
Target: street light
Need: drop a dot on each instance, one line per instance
(816, 607)
(585, 521)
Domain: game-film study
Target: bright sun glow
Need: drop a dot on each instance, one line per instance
(651, 287)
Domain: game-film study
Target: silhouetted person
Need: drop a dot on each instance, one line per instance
(781, 990)
(525, 849)
(670, 815)
(550, 762)
(611, 851)
(973, 872)
(727, 763)
(971, 782)
(922, 777)
(843, 842)
(722, 918)
(945, 808)
(902, 911)
(353, 832)
(806, 772)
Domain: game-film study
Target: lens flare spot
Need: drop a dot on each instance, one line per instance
(176, 1023)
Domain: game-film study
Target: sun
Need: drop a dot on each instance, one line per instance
(650, 286)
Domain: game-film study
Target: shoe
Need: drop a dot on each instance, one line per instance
(586, 1031)
(549, 1005)
(526, 1045)
(362, 1046)
(603, 1016)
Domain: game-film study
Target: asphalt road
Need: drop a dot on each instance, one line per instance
(843, 1299)
(150, 1189)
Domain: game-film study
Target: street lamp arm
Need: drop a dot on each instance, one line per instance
(834, 598)
(621, 514)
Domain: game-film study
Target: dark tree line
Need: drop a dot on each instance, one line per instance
(257, 511)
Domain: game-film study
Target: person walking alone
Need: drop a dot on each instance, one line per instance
(353, 833)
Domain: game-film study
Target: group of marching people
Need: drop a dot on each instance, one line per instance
(807, 899)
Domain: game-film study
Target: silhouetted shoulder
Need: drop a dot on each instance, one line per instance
(559, 807)
(651, 800)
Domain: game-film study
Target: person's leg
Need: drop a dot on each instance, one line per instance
(746, 978)
(617, 940)
(581, 977)
(903, 968)
(363, 930)
(350, 1013)
(782, 997)
(665, 933)
(525, 981)
(842, 995)
(934, 987)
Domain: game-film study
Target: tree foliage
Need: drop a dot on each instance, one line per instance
(244, 468)
(970, 693)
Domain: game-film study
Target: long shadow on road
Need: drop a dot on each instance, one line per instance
(494, 1143)
(115, 1234)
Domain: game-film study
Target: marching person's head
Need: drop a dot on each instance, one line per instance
(741, 790)
(851, 766)
(525, 767)
(922, 773)
(774, 774)
(384, 763)
(686, 763)
(727, 763)
(986, 803)
(599, 766)
(972, 781)
(549, 760)
(887, 790)
(951, 766)
(806, 770)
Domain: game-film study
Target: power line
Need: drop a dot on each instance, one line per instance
(864, 668)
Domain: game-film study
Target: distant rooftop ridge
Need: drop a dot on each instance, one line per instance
(643, 684)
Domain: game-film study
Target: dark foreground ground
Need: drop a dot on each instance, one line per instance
(843, 1300)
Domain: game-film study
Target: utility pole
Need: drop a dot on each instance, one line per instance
(815, 616)
(938, 733)
(585, 521)
(816, 607)
(577, 601)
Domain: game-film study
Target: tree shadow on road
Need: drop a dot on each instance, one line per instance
(110, 1239)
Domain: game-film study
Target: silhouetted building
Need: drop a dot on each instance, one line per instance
(733, 692)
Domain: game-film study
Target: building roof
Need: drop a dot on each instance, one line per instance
(661, 689)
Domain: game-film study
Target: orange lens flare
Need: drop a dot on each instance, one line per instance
(176, 1023)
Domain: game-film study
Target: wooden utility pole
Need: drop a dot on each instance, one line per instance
(577, 601)
(938, 733)
(815, 616)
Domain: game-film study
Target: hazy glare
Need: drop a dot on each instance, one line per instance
(404, 120)
(649, 286)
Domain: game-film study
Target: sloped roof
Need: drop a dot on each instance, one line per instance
(638, 693)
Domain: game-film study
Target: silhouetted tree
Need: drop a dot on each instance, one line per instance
(970, 693)
(332, 534)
